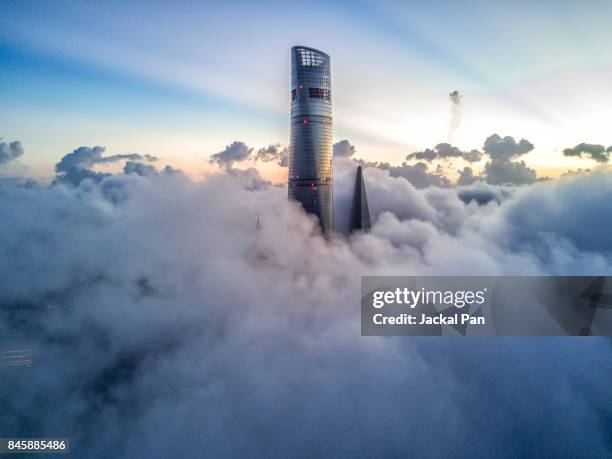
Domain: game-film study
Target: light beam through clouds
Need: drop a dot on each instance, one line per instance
(194, 74)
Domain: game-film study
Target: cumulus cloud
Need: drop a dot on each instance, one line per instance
(466, 176)
(444, 151)
(235, 152)
(386, 192)
(426, 155)
(86, 157)
(273, 152)
(417, 174)
(269, 153)
(495, 148)
(503, 172)
(10, 151)
(507, 148)
(75, 167)
(238, 151)
(167, 325)
(344, 149)
(501, 168)
(148, 170)
(250, 179)
(588, 150)
(134, 167)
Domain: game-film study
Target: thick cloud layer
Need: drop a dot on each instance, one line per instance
(167, 325)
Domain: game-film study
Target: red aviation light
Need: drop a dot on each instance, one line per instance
(301, 86)
(305, 121)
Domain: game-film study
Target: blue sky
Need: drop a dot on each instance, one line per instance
(180, 80)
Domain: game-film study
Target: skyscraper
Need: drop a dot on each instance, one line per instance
(310, 148)
(360, 212)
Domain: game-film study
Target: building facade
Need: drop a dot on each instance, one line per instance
(310, 148)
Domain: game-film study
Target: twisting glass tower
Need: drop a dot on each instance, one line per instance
(310, 148)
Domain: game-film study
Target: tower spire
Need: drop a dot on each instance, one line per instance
(360, 213)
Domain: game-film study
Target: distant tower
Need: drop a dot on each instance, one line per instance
(360, 213)
(258, 225)
(310, 148)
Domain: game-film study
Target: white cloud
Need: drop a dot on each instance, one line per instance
(172, 326)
